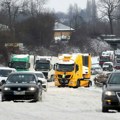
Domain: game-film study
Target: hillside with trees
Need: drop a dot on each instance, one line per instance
(30, 23)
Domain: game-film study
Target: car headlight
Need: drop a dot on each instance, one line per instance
(109, 93)
(6, 88)
(31, 88)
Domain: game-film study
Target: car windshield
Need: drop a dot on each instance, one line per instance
(39, 75)
(106, 64)
(19, 65)
(5, 73)
(21, 78)
(65, 67)
(43, 66)
(114, 78)
(96, 67)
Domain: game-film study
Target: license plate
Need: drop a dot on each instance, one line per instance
(19, 93)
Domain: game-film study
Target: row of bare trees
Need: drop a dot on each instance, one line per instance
(101, 17)
(27, 21)
(31, 24)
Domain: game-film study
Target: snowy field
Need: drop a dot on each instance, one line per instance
(60, 104)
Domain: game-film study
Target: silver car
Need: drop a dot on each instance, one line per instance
(4, 73)
(42, 78)
(96, 69)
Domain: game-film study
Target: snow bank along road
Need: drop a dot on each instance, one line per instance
(60, 104)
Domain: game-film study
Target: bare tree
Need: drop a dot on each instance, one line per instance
(91, 17)
(11, 10)
(34, 6)
(74, 16)
(108, 9)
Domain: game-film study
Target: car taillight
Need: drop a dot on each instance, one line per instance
(117, 67)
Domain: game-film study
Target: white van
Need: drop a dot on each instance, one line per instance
(4, 73)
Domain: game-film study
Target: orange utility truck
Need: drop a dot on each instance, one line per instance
(73, 70)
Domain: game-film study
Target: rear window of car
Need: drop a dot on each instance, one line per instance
(114, 78)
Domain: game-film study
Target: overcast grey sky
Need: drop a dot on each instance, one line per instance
(63, 5)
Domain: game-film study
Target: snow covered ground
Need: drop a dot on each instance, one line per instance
(60, 104)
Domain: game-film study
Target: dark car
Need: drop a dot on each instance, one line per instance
(111, 92)
(117, 66)
(99, 79)
(107, 66)
(21, 86)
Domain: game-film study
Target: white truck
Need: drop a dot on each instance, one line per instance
(43, 64)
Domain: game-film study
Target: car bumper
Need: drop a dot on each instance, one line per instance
(111, 102)
(22, 95)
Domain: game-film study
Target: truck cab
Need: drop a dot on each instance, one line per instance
(43, 64)
(21, 62)
(70, 71)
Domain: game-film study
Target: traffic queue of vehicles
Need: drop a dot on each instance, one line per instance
(19, 85)
(72, 70)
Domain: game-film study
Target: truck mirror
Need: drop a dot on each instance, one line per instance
(51, 66)
(28, 65)
(9, 64)
(54, 67)
(77, 67)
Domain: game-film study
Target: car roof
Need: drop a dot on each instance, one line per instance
(32, 72)
(96, 66)
(23, 72)
(116, 71)
(7, 68)
(108, 62)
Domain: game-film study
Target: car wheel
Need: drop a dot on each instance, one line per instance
(90, 83)
(2, 99)
(118, 109)
(77, 84)
(38, 97)
(45, 89)
(104, 109)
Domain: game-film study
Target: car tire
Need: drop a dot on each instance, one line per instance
(2, 99)
(89, 84)
(104, 109)
(45, 89)
(77, 84)
(37, 98)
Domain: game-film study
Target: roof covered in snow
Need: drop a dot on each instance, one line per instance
(61, 27)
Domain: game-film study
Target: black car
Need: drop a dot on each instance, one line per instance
(111, 92)
(21, 86)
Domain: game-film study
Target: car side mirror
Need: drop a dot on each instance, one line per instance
(39, 81)
(3, 82)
